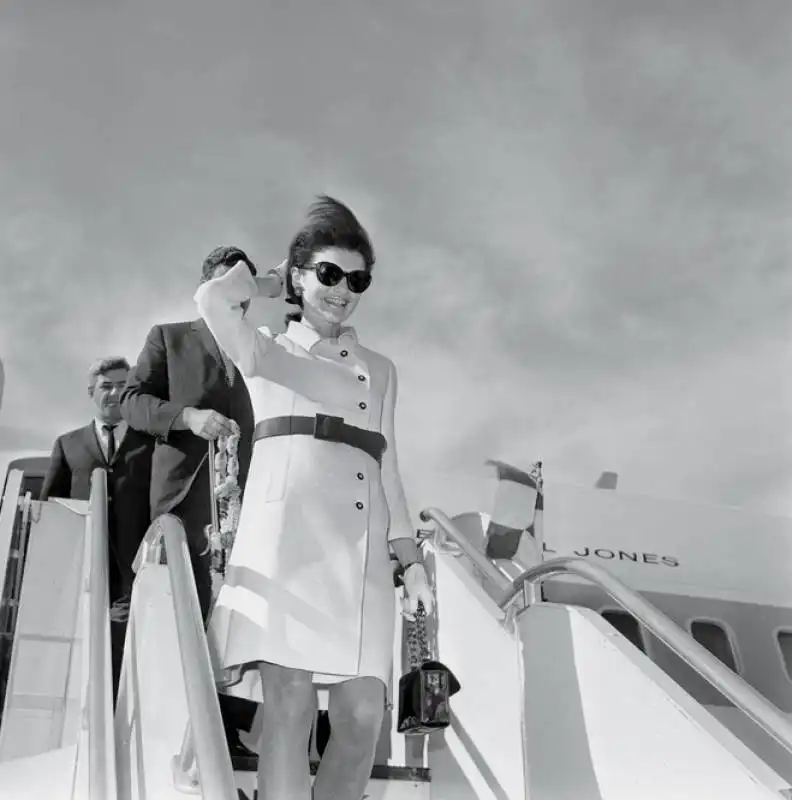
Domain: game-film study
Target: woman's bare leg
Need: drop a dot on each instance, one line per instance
(287, 711)
(356, 711)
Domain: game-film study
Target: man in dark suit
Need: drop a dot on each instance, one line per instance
(185, 391)
(108, 442)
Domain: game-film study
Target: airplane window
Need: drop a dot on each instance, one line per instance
(627, 625)
(785, 643)
(715, 639)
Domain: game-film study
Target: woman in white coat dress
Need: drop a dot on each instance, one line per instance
(309, 596)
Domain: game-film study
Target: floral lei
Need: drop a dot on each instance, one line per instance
(228, 497)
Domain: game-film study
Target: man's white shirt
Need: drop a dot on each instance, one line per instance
(119, 431)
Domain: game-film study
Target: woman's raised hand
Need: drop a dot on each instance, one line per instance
(271, 284)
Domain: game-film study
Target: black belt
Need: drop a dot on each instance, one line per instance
(329, 429)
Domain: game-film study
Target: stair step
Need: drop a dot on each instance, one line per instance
(381, 772)
(376, 789)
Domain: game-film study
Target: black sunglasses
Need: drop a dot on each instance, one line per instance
(330, 274)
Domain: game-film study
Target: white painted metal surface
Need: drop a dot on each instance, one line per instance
(63, 558)
(49, 776)
(674, 546)
(480, 757)
(208, 738)
(99, 719)
(42, 704)
(642, 736)
(151, 711)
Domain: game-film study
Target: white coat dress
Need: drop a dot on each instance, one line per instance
(309, 584)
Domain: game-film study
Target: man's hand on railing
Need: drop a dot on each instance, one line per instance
(119, 611)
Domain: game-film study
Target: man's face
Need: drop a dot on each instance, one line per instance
(106, 393)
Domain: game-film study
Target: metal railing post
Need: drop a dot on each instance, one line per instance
(101, 745)
(208, 737)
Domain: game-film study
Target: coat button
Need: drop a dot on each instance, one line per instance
(362, 405)
(344, 353)
(359, 505)
(360, 476)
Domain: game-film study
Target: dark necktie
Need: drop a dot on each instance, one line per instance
(111, 445)
(230, 368)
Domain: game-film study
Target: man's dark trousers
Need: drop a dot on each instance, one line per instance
(193, 511)
(181, 366)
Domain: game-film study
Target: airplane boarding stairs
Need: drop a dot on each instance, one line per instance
(555, 703)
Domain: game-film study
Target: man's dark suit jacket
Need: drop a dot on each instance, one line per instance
(75, 456)
(181, 365)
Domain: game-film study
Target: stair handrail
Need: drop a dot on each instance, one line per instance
(101, 741)
(728, 683)
(480, 561)
(208, 737)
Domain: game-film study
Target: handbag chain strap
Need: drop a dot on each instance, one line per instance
(417, 639)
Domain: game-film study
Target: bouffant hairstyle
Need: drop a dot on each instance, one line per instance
(329, 223)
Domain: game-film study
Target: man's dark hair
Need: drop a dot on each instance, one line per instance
(223, 257)
(329, 224)
(104, 365)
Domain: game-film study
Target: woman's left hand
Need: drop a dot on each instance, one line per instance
(417, 589)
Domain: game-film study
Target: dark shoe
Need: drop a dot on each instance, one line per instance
(322, 732)
(242, 758)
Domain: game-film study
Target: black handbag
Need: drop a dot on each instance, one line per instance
(425, 690)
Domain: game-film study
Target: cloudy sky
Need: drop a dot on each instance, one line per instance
(581, 211)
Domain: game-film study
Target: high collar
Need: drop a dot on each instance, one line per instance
(307, 337)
